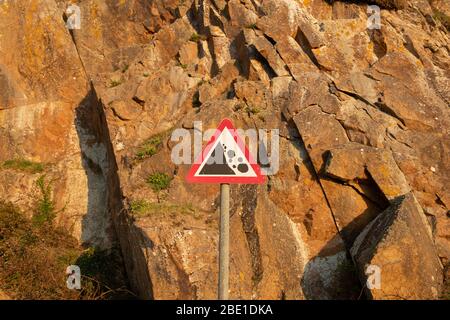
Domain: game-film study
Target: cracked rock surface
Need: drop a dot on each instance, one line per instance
(363, 119)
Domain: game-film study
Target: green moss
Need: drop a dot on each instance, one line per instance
(150, 147)
(159, 181)
(142, 208)
(23, 165)
(252, 110)
(195, 37)
(251, 26)
(114, 83)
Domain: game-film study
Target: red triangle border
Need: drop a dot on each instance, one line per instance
(225, 123)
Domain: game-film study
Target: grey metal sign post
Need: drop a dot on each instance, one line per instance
(237, 166)
(224, 241)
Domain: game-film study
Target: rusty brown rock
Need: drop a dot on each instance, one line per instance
(126, 111)
(392, 242)
(358, 162)
(266, 49)
(311, 70)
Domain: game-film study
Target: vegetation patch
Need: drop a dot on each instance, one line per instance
(139, 206)
(114, 83)
(23, 165)
(159, 181)
(34, 258)
(150, 147)
(442, 18)
(34, 255)
(195, 37)
(30, 266)
(142, 208)
(252, 110)
(102, 274)
(45, 207)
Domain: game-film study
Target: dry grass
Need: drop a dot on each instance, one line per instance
(34, 257)
(143, 208)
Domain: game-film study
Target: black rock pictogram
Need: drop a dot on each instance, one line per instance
(221, 168)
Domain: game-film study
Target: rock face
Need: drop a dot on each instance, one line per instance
(46, 88)
(363, 124)
(3, 296)
(399, 243)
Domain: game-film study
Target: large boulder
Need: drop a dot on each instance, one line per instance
(399, 243)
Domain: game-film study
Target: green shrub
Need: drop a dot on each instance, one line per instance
(150, 147)
(45, 209)
(139, 206)
(23, 165)
(159, 181)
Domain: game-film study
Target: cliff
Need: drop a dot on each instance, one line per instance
(363, 119)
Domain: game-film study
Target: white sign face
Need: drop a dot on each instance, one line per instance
(225, 158)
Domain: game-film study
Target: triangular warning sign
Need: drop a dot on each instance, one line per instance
(225, 159)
